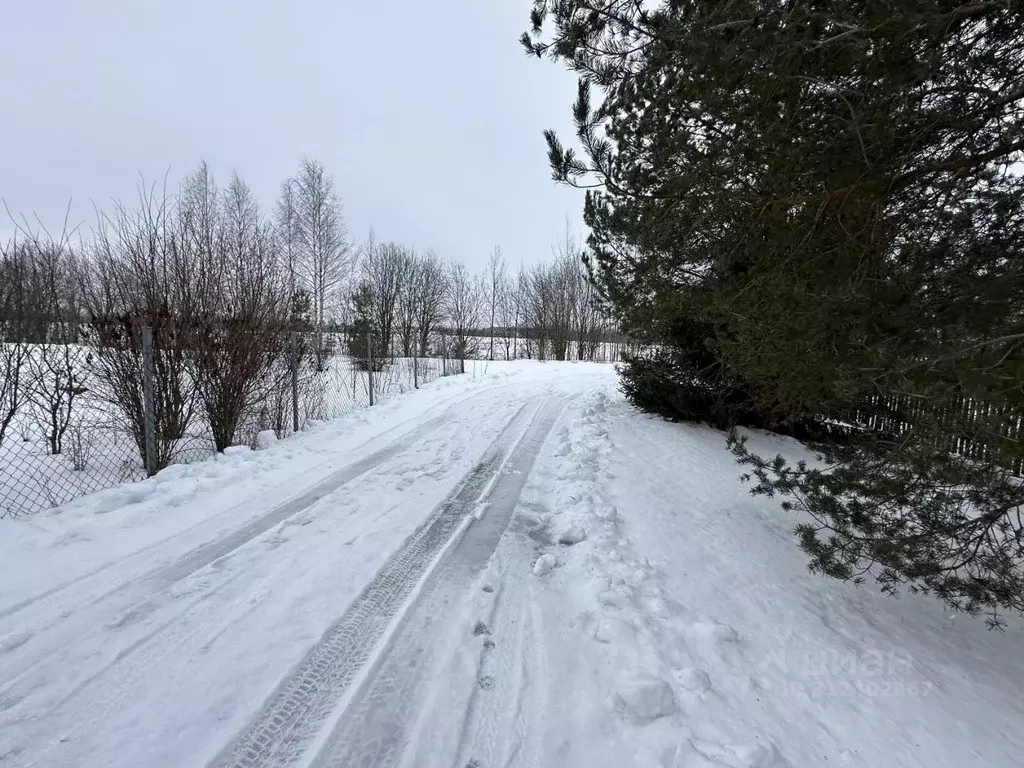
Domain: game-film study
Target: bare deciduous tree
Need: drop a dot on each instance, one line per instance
(496, 279)
(407, 305)
(387, 268)
(430, 299)
(525, 321)
(464, 306)
(324, 251)
(558, 302)
(56, 365)
(286, 222)
(14, 322)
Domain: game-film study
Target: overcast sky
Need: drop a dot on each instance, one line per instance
(426, 112)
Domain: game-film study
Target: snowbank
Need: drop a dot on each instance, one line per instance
(689, 616)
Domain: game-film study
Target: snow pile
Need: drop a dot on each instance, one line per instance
(626, 706)
(265, 439)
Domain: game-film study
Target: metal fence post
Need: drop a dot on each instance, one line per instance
(415, 367)
(148, 400)
(369, 362)
(294, 344)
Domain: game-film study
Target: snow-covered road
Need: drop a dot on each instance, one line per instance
(509, 569)
(157, 648)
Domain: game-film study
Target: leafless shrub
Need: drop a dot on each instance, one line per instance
(55, 368)
(80, 441)
(143, 275)
(241, 307)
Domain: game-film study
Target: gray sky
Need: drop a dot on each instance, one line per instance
(428, 114)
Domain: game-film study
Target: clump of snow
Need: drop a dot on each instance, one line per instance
(615, 631)
(266, 438)
(694, 680)
(544, 564)
(646, 697)
(237, 450)
(574, 534)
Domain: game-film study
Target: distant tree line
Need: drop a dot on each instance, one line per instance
(225, 287)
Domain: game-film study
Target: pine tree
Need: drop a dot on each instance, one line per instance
(362, 332)
(812, 211)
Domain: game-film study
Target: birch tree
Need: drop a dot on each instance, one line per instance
(324, 253)
(496, 279)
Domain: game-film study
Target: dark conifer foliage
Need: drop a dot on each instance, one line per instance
(812, 212)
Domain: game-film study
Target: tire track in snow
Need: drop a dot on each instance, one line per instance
(376, 726)
(502, 724)
(287, 729)
(133, 599)
(29, 602)
(410, 436)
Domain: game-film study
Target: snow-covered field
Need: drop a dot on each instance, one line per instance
(510, 568)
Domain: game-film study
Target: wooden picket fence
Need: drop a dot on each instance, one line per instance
(983, 427)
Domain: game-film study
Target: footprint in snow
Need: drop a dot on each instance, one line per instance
(693, 679)
(645, 698)
(15, 640)
(694, 753)
(719, 634)
(614, 631)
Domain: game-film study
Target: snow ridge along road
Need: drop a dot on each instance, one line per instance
(288, 729)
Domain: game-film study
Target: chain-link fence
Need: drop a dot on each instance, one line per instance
(84, 417)
(62, 439)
